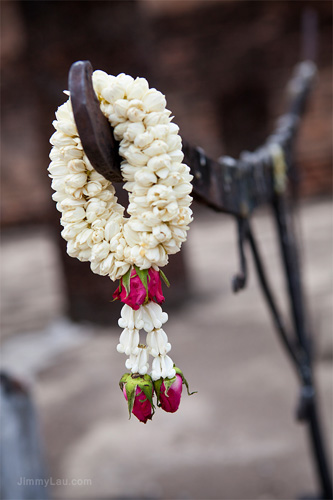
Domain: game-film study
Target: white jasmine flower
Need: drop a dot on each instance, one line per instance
(57, 169)
(120, 129)
(154, 100)
(138, 89)
(157, 147)
(133, 130)
(153, 316)
(157, 118)
(121, 107)
(174, 142)
(70, 203)
(111, 229)
(68, 127)
(159, 162)
(76, 166)
(76, 180)
(59, 196)
(157, 342)
(125, 80)
(129, 341)
(144, 177)
(162, 366)
(84, 239)
(138, 363)
(176, 155)
(171, 247)
(182, 189)
(92, 189)
(76, 214)
(97, 235)
(95, 209)
(135, 112)
(155, 255)
(100, 251)
(60, 140)
(160, 131)
(162, 233)
(100, 80)
(148, 241)
(64, 112)
(84, 255)
(107, 264)
(113, 92)
(121, 268)
(134, 155)
(87, 163)
(160, 195)
(127, 317)
(71, 231)
(143, 140)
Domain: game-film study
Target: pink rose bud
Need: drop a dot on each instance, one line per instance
(142, 408)
(138, 391)
(139, 287)
(169, 391)
(155, 287)
(170, 399)
(131, 290)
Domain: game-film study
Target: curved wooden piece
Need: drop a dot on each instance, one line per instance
(94, 129)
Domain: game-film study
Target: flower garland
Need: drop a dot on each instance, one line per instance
(132, 248)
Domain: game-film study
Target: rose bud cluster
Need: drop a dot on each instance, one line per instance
(139, 391)
(140, 287)
(141, 292)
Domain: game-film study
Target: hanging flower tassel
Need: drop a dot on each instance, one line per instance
(141, 293)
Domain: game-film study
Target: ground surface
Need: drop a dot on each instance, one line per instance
(237, 438)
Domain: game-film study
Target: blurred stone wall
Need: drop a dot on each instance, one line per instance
(223, 66)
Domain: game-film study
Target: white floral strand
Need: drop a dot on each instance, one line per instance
(149, 318)
(157, 181)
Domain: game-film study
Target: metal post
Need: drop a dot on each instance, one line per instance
(308, 403)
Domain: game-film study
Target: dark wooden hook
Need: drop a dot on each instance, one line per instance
(94, 129)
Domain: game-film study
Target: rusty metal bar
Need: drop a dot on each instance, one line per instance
(227, 185)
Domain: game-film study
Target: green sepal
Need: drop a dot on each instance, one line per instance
(123, 380)
(130, 387)
(164, 278)
(143, 276)
(147, 387)
(157, 387)
(126, 280)
(119, 286)
(179, 372)
(132, 381)
(168, 383)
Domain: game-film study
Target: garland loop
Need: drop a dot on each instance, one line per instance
(158, 183)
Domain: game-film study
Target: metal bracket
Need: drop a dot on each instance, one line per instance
(239, 280)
